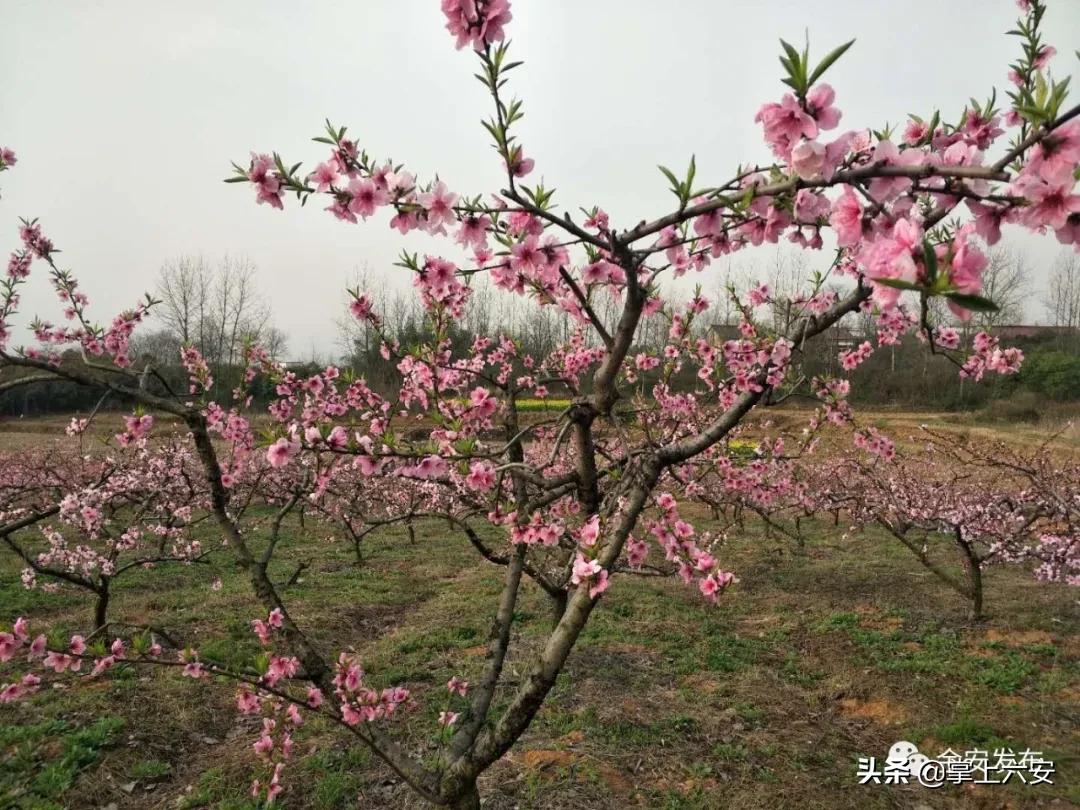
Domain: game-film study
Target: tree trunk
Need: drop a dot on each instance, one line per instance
(101, 607)
(469, 800)
(558, 606)
(973, 569)
(975, 576)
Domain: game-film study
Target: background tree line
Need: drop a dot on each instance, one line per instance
(217, 307)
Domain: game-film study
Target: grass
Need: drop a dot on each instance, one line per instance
(764, 701)
(43, 760)
(542, 405)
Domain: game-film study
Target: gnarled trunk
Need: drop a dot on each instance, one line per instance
(101, 607)
(469, 800)
(558, 606)
(973, 569)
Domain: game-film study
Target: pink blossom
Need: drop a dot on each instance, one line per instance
(193, 669)
(785, 124)
(1056, 157)
(598, 220)
(810, 206)
(476, 22)
(988, 219)
(886, 189)
(600, 584)
(473, 231)
(519, 165)
(1070, 234)
(846, 218)
(808, 159)
(281, 452)
(709, 588)
(589, 533)
(268, 184)
(1051, 202)
(447, 719)
(1045, 54)
(915, 132)
(8, 646)
(481, 477)
(366, 198)
(761, 294)
(893, 257)
(324, 176)
(439, 205)
(852, 359)
(276, 619)
(583, 569)
(338, 439)
(430, 467)
(457, 686)
(819, 101)
(946, 337)
(19, 264)
(968, 262)
(247, 702)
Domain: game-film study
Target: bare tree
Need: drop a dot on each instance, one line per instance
(1006, 282)
(216, 309)
(1063, 299)
(275, 342)
(184, 287)
(239, 310)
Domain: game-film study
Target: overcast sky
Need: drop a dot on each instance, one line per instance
(126, 115)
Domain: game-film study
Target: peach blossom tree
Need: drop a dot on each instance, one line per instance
(602, 485)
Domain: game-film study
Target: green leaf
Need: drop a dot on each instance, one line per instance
(896, 283)
(670, 175)
(792, 54)
(141, 642)
(930, 259)
(828, 61)
(976, 303)
(747, 198)
(796, 68)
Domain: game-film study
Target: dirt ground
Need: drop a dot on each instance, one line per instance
(767, 700)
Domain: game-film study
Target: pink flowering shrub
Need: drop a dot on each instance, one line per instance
(992, 503)
(581, 496)
(83, 521)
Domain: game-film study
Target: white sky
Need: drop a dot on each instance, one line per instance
(126, 114)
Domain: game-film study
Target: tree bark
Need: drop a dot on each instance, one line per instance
(101, 608)
(558, 606)
(469, 800)
(973, 569)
